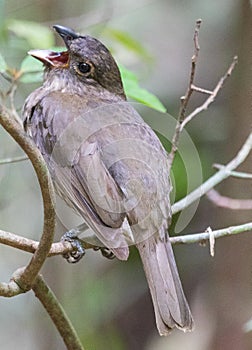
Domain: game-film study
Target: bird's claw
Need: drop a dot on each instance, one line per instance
(78, 251)
(106, 252)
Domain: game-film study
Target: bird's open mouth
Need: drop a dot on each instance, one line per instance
(51, 58)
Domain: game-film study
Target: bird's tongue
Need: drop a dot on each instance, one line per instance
(52, 58)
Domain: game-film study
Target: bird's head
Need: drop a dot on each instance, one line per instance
(86, 58)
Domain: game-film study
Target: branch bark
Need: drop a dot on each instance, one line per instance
(204, 236)
(212, 96)
(57, 314)
(185, 99)
(182, 118)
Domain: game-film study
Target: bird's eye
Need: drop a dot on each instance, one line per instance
(84, 67)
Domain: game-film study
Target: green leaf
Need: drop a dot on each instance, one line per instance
(134, 91)
(3, 64)
(36, 34)
(127, 41)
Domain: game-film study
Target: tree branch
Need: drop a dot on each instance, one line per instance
(185, 99)
(13, 127)
(212, 96)
(57, 314)
(182, 119)
(30, 246)
(204, 236)
(238, 174)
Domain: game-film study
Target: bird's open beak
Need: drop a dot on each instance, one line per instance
(51, 58)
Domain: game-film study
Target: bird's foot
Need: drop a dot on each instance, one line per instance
(78, 251)
(106, 252)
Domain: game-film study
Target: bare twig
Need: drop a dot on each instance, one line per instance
(30, 246)
(57, 314)
(204, 237)
(201, 90)
(185, 99)
(212, 97)
(182, 118)
(13, 160)
(238, 174)
(222, 174)
(227, 202)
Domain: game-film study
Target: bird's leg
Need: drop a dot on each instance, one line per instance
(106, 252)
(79, 244)
(72, 237)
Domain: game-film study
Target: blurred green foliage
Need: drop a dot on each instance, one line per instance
(129, 43)
(34, 33)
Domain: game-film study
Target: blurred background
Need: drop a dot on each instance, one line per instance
(108, 301)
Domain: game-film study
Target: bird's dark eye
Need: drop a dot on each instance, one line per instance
(84, 67)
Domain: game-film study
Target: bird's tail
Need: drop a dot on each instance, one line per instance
(170, 305)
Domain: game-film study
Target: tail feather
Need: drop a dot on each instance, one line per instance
(170, 305)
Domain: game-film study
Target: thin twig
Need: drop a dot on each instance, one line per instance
(238, 174)
(227, 202)
(201, 90)
(212, 97)
(216, 178)
(185, 99)
(204, 236)
(13, 160)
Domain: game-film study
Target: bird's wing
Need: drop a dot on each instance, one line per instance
(72, 188)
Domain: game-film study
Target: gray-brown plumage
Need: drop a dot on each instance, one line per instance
(107, 164)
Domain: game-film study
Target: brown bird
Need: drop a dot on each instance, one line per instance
(107, 164)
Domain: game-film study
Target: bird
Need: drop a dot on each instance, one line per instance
(107, 164)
